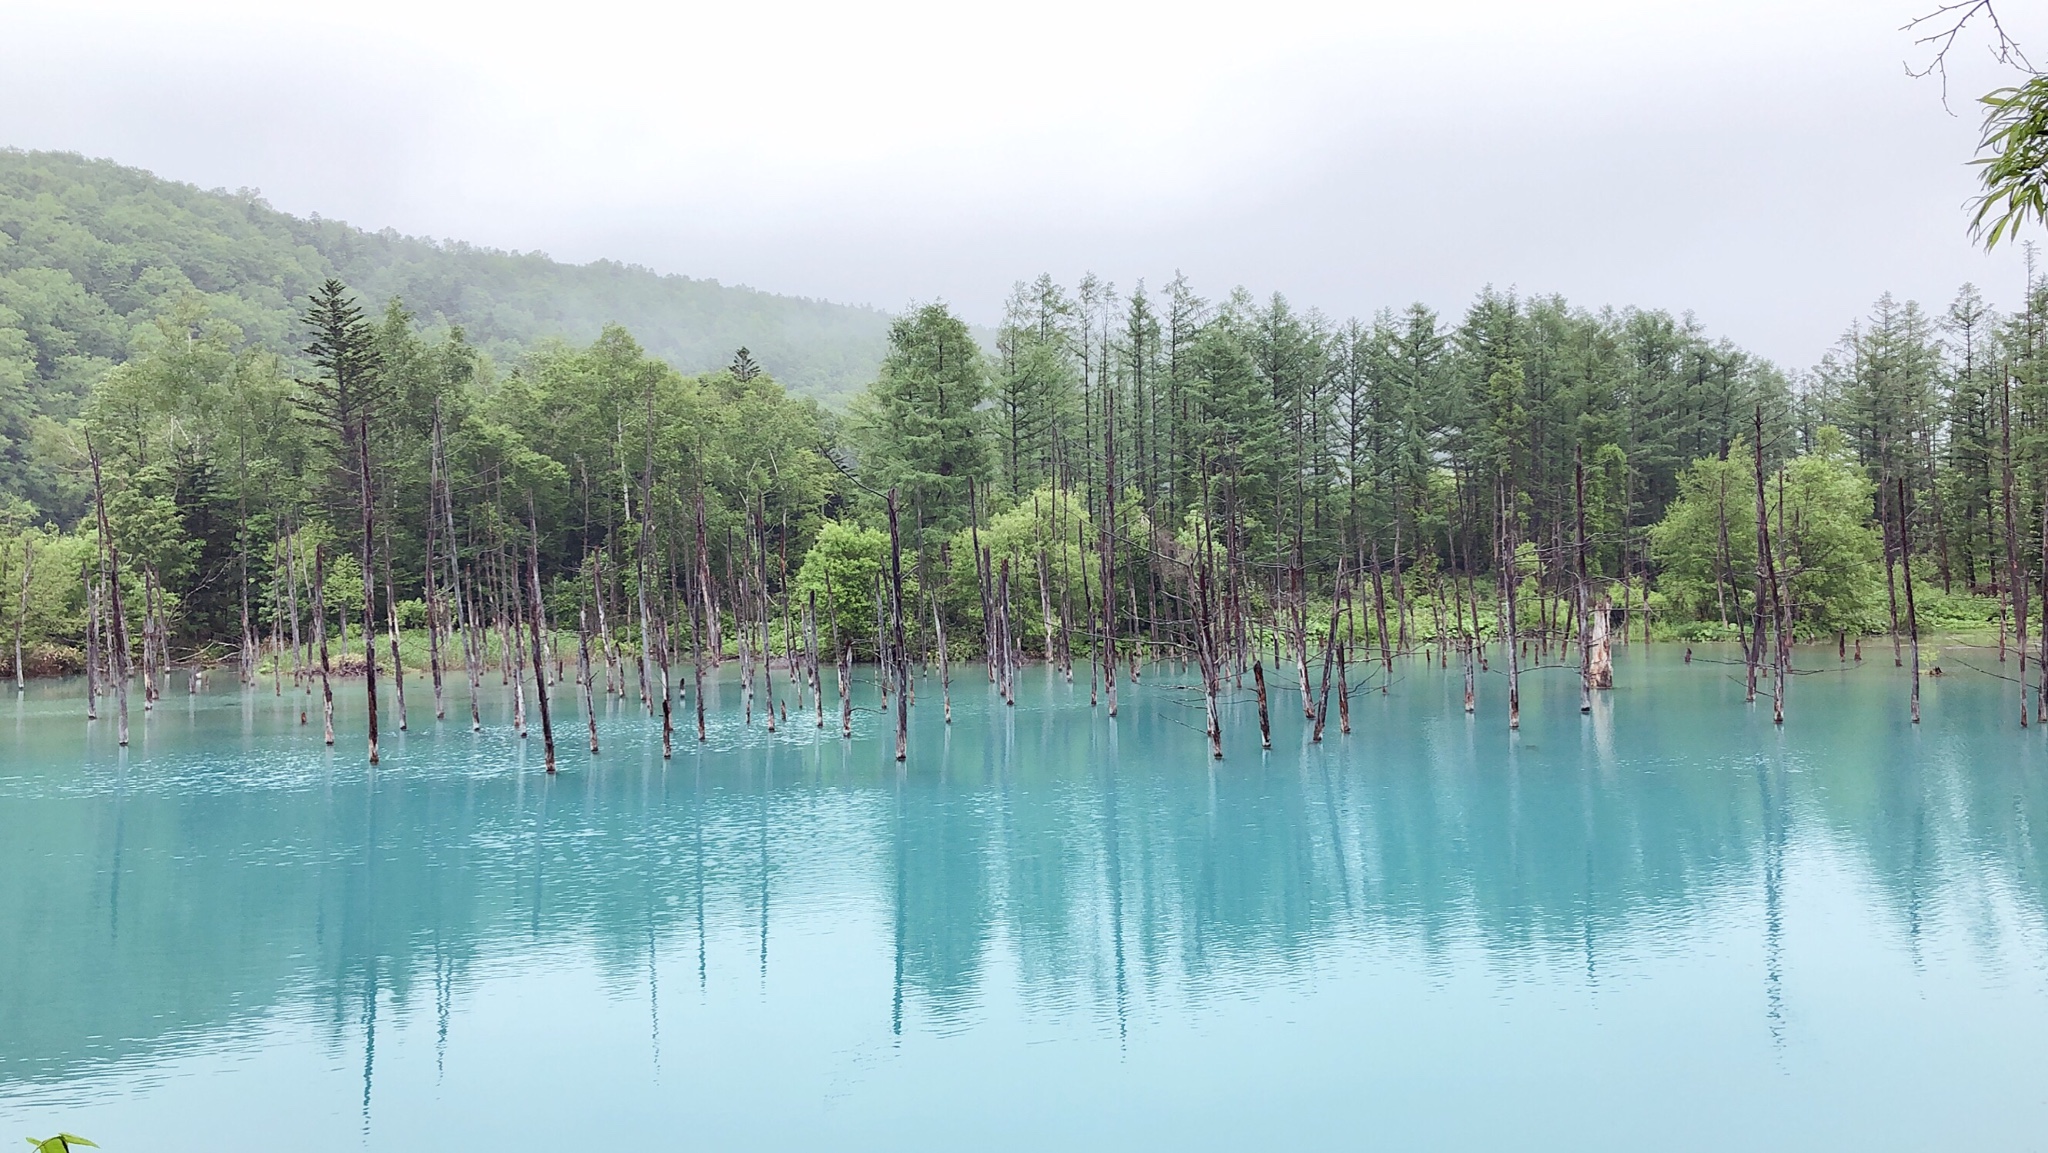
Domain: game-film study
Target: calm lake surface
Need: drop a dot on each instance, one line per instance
(1663, 926)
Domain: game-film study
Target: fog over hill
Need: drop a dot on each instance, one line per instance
(91, 249)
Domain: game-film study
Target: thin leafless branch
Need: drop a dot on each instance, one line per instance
(1947, 24)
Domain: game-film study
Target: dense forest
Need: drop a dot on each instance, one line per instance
(93, 255)
(344, 484)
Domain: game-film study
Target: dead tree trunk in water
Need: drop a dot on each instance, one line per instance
(583, 672)
(668, 695)
(1109, 548)
(149, 683)
(945, 667)
(92, 641)
(369, 582)
(1379, 602)
(397, 660)
(118, 668)
(1322, 710)
(1259, 683)
(2015, 577)
(692, 610)
(764, 609)
(706, 631)
(292, 573)
(464, 618)
(1343, 689)
(896, 616)
(1768, 594)
(1912, 616)
(536, 608)
(320, 638)
(1891, 580)
(1207, 648)
(646, 619)
(840, 661)
(2041, 660)
(817, 681)
(1585, 588)
(28, 569)
(1008, 678)
(1045, 605)
(1510, 577)
(430, 585)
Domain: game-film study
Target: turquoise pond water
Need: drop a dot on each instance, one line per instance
(1665, 925)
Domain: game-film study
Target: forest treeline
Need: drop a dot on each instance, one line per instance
(1122, 475)
(93, 254)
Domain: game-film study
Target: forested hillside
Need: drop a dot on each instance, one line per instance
(93, 253)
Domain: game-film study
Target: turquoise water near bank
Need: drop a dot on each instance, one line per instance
(1665, 925)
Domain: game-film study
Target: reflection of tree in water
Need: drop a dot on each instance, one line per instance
(939, 840)
(1118, 877)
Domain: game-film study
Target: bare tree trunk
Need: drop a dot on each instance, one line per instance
(1329, 653)
(149, 688)
(1767, 578)
(691, 609)
(2015, 577)
(646, 630)
(429, 587)
(369, 586)
(1601, 666)
(300, 678)
(397, 658)
(583, 674)
(1044, 606)
(472, 650)
(896, 615)
(320, 638)
(1066, 620)
(511, 618)
(945, 666)
(1259, 685)
(117, 661)
(1211, 657)
(841, 659)
(465, 619)
(668, 695)
(817, 681)
(92, 641)
(1585, 589)
(763, 611)
(1912, 616)
(746, 641)
(1137, 632)
(28, 571)
(1009, 665)
(1510, 579)
(1379, 603)
(1095, 643)
(276, 641)
(1343, 689)
(535, 611)
(119, 665)
(1298, 625)
(708, 630)
(1891, 580)
(608, 648)
(2041, 661)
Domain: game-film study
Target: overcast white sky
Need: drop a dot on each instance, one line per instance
(1766, 164)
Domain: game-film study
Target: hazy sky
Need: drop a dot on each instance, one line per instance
(1766, 164)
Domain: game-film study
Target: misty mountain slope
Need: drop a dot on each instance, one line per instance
(90, 249)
